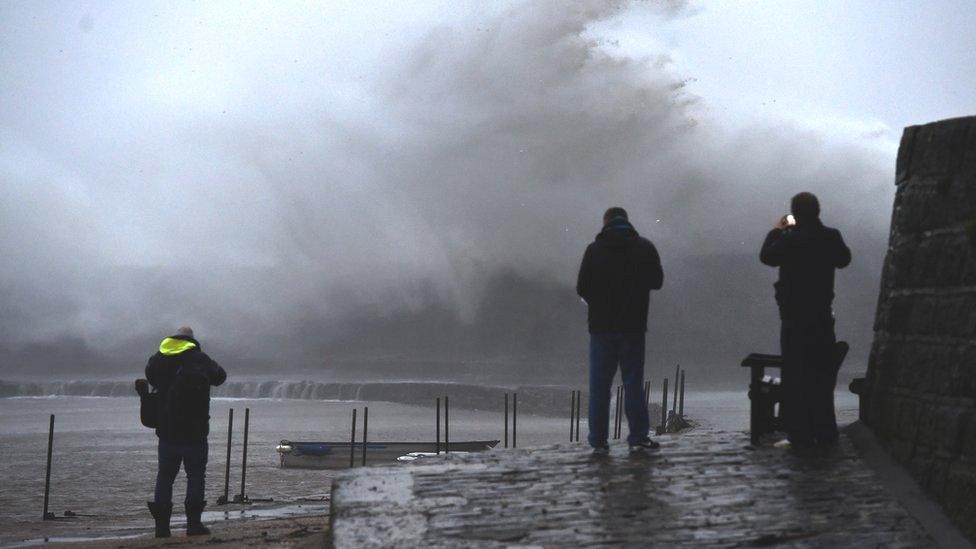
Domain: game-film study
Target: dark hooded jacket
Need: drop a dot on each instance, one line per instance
(807, 255)
(182, 375)
(617, 273)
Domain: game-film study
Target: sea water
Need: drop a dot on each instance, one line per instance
(104, 460)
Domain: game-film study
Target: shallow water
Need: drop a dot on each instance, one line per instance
(104, 460)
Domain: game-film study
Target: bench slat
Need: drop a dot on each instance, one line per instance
(764, 360)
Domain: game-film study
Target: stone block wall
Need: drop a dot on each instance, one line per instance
(921, 399)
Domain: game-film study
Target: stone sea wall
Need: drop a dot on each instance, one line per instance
(921, 384)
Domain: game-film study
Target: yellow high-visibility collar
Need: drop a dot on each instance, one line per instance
(172, 346)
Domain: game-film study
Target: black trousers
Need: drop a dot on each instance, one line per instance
(809, 377)
(193, 457)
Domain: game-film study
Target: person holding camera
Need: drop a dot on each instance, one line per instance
(807, 253)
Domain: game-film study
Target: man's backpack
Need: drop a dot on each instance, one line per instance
(187, 401)
(148, 404)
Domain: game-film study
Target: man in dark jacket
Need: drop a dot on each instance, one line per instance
(182, 375)
(807, 253)
(617, 273)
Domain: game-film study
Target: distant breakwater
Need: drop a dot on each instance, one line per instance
(532, 399)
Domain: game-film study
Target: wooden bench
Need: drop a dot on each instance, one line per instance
(765, 391)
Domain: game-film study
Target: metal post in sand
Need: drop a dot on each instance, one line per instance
(572, 416)
(506, 420)
(677, 375)
(681, 405)
(352, 441)
(664, 407)
(47, 476)
(514, 420)
(365, 428)
(579, 397)
(230, 436)
(247, 423)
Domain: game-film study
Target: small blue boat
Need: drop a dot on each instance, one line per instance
(336, 455)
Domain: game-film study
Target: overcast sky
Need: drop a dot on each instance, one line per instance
(831, 65)
(245, 167)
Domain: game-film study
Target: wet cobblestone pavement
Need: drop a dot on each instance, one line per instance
(704, 488)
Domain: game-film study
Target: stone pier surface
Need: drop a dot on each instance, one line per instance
(704, 488)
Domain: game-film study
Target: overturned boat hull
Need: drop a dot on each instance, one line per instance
(336, 455)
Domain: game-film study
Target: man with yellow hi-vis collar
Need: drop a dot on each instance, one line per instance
(182, 375)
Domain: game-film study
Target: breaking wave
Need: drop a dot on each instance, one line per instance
(537, 399)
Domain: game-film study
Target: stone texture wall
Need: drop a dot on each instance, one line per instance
(921, 399)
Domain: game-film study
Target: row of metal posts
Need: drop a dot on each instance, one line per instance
(677, 405)
(678, 402)
(514, 420)
(352, 440)
(619, 407)
(574, 432)
(574, 415)
(447, 423)
(240, 498)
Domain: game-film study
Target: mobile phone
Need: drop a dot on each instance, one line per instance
(790, 220)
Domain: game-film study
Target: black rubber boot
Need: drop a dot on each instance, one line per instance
(193, 525)
(161, 512)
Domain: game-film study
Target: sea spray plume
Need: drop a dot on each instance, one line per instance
(522, 128)
(530, 124)
(432, 200)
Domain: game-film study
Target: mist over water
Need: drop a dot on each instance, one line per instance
(540, 400)
(393, 191)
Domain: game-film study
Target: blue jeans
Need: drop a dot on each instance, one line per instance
(193, 457)
(607, 351)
